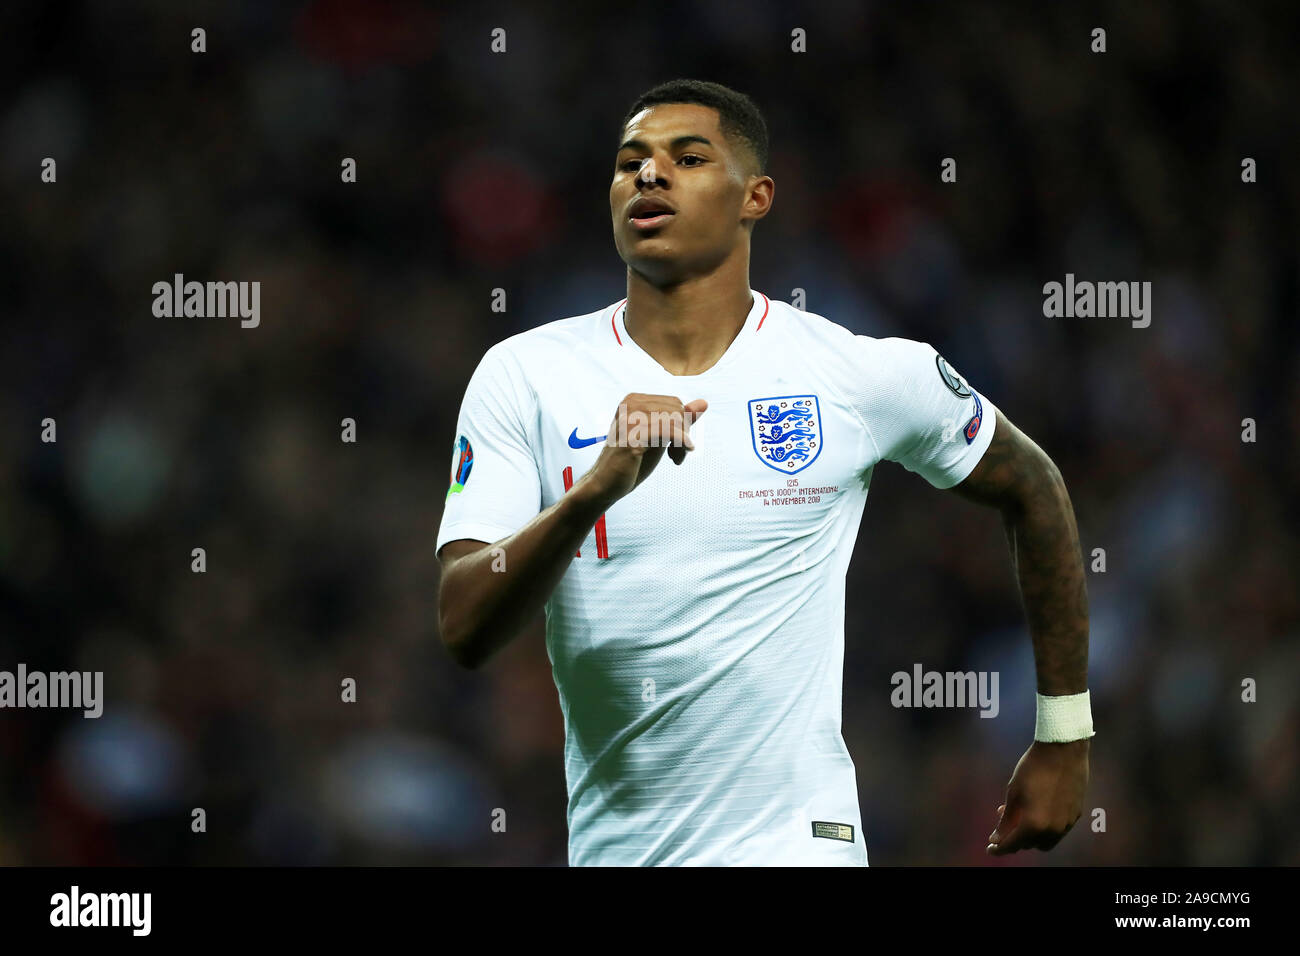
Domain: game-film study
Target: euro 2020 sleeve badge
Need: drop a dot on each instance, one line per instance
(462, 460)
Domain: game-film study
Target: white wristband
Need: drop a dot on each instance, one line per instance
(1062, 719)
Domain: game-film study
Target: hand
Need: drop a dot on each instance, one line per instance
(643, 426)
(1044, 797)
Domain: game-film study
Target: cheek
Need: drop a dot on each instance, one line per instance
(721, 209)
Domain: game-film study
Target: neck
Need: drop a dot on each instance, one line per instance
(687, 327)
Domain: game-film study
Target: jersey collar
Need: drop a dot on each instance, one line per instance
(623, 343)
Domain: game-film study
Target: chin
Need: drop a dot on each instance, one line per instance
(659, 270)
(650, 251)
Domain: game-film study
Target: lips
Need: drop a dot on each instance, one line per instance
(648, 207)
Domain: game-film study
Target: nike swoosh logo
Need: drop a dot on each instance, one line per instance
(576, 442)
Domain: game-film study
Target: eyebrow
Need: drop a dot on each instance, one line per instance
(679, 141)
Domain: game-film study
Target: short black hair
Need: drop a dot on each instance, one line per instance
(738, 117)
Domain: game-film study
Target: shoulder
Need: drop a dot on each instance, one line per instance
(519, 369)
(537, 348)
(808, 326)
(852, 358)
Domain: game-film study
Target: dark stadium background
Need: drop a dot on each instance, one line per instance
(479, 171)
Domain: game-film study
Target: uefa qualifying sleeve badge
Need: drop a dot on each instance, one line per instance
(959, 388)
(951, 378)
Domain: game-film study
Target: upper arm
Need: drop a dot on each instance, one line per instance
(495, 487)
(1011, 467)
(453, 550)
(922, 414)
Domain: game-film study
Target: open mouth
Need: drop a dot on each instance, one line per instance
(649, 212)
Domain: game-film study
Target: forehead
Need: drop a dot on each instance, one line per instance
(669, 120)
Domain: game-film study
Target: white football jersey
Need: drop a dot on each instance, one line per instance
(697, 638)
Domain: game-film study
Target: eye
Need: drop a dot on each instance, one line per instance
(629, 165)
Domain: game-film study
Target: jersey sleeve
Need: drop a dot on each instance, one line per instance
(494, 487)
(927, 417)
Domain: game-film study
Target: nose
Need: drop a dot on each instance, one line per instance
(647, 173)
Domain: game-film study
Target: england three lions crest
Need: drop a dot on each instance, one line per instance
(787, 431)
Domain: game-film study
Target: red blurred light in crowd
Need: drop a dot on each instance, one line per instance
(356, 33)
(871, 219)
(498, 209)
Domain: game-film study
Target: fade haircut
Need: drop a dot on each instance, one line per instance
(738, 117)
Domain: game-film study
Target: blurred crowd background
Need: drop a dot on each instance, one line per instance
(481, 170)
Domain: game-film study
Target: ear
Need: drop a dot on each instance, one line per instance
(760, 192)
